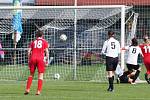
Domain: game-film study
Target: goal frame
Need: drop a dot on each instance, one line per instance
(75, 21)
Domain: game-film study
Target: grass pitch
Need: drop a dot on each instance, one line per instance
(74, 90)
(71, 90)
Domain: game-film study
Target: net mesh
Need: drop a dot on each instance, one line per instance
(91, 29)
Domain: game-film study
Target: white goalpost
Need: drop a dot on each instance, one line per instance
(78, 57)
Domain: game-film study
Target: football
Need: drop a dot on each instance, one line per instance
(63, 37)
(56, 76)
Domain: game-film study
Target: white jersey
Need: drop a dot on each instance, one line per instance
(111, 48)
(132, 56)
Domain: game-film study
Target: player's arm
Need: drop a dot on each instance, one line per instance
(30, 50)
(104, 48)
(47, 56)
(141, 52)
(29, 53)
(132, 74)
(125, 48)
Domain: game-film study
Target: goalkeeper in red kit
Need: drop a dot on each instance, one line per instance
(36, 53)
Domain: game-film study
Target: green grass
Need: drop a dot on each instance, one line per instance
(70, 90)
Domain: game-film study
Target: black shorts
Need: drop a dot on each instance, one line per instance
(124, 79)
(111, 63)
(132, 67)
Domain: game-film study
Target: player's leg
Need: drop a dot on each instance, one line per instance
(30, 78)
(40, 83)
(111, 64)
(130, 67)
(110, 80)
(117, 79)
(109, 73)
(41, 70)
(147, 74)
(29, 82)
(137, 73)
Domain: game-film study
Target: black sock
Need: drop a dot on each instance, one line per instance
(136, 75)
(113, 82)
(110, 79)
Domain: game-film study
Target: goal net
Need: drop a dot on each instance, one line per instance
(77, 58)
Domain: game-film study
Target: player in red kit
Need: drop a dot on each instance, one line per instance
(36, 53)
(145, 47)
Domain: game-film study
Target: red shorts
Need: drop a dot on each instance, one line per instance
(37, 63)
(147, 65)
